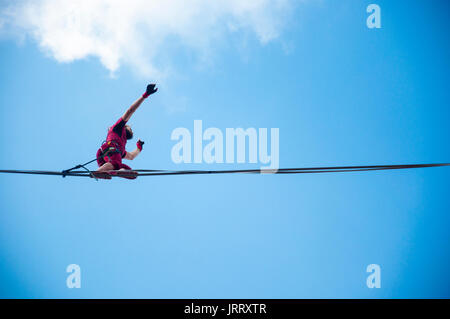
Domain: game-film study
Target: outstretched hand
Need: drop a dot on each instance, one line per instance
(151, 88)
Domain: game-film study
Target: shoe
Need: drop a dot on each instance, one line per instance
(124, 173)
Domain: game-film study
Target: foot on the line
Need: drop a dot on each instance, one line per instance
(124, 173)
(101, 175)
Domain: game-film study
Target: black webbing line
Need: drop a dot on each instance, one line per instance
(52, 173)
(303, 170)
(66, 172)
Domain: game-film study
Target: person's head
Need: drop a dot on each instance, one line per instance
(129, 132)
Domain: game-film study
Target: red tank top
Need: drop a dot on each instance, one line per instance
(118, 134)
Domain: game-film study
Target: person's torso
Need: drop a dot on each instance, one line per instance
(121, 140)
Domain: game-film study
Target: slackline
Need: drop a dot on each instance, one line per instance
(302, 170)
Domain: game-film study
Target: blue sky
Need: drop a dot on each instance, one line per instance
(340, 94)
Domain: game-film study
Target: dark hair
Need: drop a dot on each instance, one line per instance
(128, 132)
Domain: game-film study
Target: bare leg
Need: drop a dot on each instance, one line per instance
(102, 172)
(106, 167)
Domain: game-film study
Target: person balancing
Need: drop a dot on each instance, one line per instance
(112, 151)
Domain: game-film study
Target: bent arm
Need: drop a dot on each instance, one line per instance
(132, 155)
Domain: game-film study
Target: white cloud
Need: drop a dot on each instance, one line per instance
(140, 33)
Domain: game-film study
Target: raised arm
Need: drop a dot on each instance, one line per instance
(150, 90)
